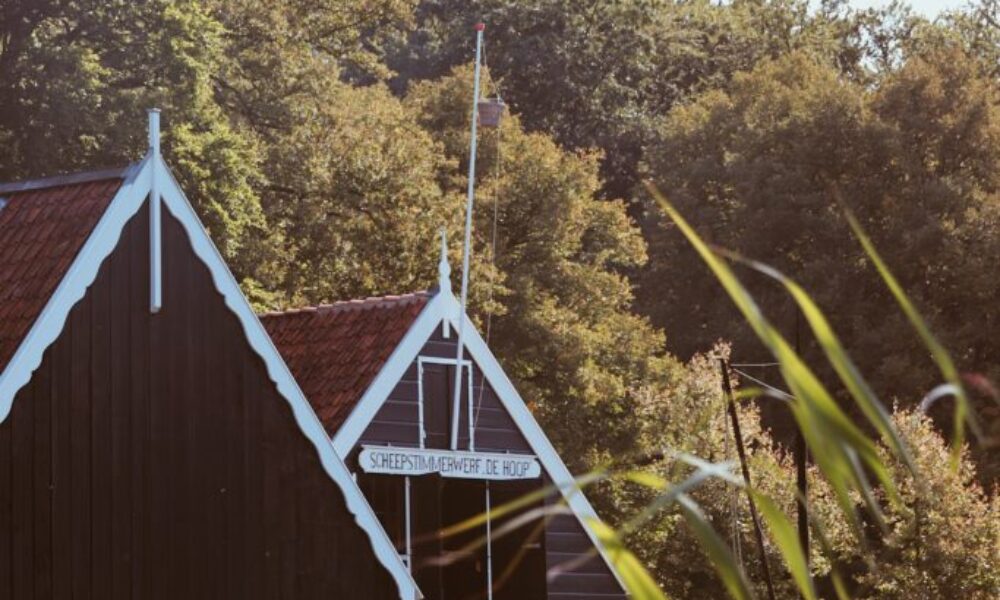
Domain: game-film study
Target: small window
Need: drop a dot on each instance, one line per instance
(435, 393)
(3, 202)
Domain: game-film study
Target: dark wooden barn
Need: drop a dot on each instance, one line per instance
(153, 444)
(380, 374)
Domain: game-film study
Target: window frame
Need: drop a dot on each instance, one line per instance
(435, 360)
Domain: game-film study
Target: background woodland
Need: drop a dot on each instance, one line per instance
(324, 144)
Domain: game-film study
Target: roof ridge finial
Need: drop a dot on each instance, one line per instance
(154, 131)
(444, 269)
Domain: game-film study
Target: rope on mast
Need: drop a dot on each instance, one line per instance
(498, 181)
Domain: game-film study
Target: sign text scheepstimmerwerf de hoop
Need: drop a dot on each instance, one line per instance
(448, 463)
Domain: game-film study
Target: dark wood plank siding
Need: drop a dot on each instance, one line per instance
(569, 578)
(152, 457)
(397, 422)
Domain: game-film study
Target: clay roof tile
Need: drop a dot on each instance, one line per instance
(336, 350)
(43, 225)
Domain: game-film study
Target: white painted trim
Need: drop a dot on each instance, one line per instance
(444, 269)
(305, 417)
(533, 433)
(81, 273)
(450, 464)
(489, 544)
(409, 528)
(445, 307)
(155, 227)
(421, 429)
(436, 360)
(392, 371)
(155, 250)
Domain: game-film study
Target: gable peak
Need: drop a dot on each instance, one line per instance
(444, 269)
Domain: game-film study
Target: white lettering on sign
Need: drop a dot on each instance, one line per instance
(448, 463)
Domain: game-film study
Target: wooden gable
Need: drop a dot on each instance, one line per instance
(564, 541)
(427, 379)
(150, 456)
(159, 449)
(406, 404)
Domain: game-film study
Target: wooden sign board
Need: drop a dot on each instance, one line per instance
(384, 460)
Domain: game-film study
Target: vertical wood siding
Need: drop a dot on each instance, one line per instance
(565, 543)
(150, 457)
(396, 423)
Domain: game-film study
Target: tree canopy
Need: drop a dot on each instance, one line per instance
(761, 167)
(324, 144)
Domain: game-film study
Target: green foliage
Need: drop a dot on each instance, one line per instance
(322, 174)
(572, 344)
(917, 157)
(944, 540)
(666, 544)
(283, 81)
(597, 74)
(354, 187)
(76, 79)
(913, 495)
(975, 29)
(319, 184)
(943, 537)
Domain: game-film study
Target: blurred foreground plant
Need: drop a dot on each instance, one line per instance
(883, 506)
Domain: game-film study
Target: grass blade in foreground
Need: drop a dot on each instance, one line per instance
(938, 353)
(849, 374)
(833, 438)
(722, 559)
(786, 538)
(640, 584)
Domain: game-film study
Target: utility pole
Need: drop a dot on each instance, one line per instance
(727, 389)
(801, 482)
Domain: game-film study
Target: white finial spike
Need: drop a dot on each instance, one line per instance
(155, 232)
(154, 131)
(444, 269)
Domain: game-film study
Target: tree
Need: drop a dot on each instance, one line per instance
(597, 74)
(354, 187)
(916, 158)
(76, 79)
(688, 415)
(287, 76)
(563, 327)
(977, 29)
(233, 77)
(943, 540)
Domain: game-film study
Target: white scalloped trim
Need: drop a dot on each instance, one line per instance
(81, 274)
(305, 417)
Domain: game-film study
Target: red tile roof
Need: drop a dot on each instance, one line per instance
(336, 350)
(43, 225)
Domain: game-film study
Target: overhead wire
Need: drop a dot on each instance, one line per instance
(782, 394)
(779, 394)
